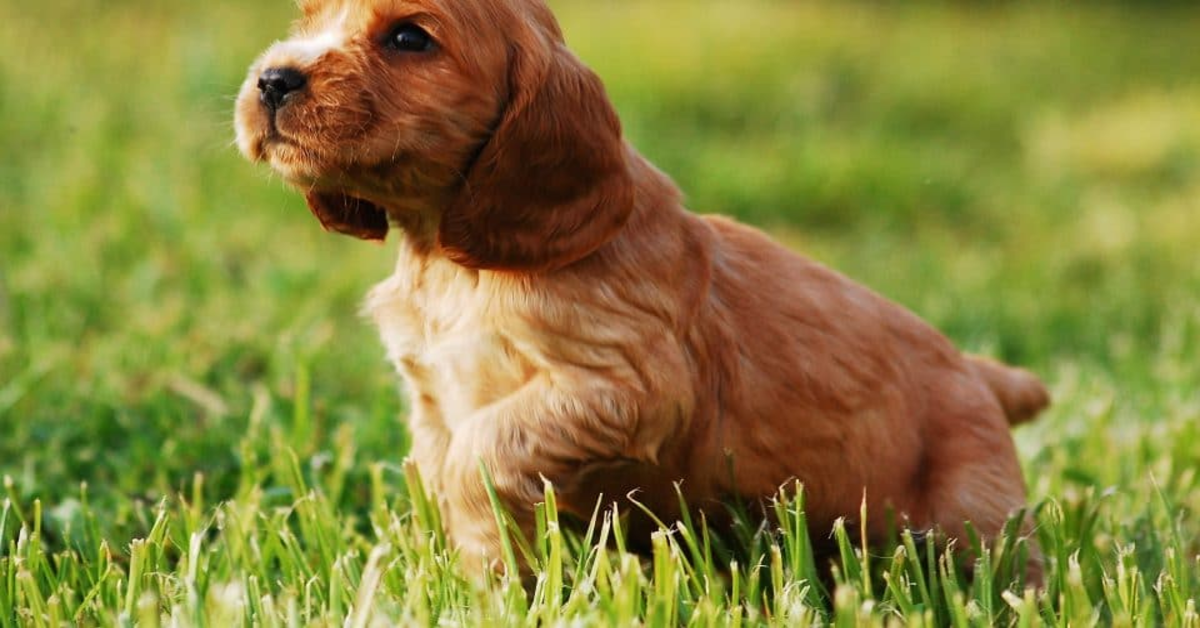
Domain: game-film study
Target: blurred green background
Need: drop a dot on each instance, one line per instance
(1024, 175)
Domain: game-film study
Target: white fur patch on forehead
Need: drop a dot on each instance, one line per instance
(308, 49)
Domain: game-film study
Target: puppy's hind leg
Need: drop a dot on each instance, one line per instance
(974, 477)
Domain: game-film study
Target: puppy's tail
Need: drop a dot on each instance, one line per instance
(1022, 395)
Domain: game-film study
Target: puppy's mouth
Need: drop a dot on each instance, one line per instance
(337, 211)
(286, 155)
(348, 215)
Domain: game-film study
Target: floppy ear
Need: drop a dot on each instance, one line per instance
(552, 184)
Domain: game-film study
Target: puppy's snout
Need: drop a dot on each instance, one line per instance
(276, 84)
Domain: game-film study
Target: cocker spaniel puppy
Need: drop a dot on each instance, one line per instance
(556, 312)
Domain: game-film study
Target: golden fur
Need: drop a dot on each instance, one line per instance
(556, 312)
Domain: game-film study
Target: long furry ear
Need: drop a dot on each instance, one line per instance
(552, 184)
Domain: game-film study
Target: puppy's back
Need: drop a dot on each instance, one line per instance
(820, 379)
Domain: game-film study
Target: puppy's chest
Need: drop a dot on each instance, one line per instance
(443, 335)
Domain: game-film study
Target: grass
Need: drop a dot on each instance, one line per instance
(197, 428)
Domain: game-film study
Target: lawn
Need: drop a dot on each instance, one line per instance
(197, 427)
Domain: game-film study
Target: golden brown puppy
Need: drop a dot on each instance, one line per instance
(557, 312)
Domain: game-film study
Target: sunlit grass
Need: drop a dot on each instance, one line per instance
(178, 335)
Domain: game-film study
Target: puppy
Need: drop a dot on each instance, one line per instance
(557, 313)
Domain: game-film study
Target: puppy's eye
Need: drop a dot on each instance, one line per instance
(410, 38)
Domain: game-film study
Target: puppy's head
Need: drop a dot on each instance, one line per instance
(469, 117)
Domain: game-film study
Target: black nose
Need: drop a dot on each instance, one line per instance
(275, 84)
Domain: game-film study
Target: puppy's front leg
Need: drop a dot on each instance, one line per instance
(547, 429)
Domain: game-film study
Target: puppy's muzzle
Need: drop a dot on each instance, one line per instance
(276, 85)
